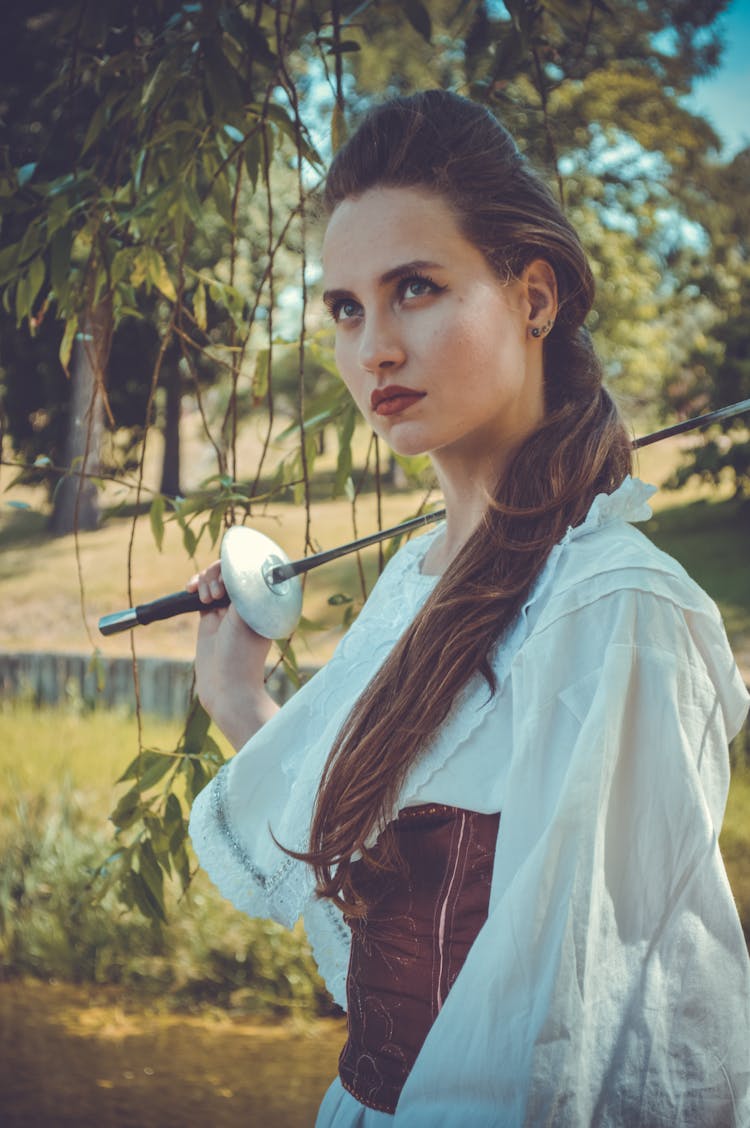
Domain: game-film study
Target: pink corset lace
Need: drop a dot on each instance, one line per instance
(408, 951)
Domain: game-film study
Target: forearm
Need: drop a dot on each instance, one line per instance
(242, 713)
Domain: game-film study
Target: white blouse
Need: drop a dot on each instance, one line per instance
(610, 984)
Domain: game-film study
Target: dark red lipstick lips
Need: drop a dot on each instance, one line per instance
(393, 399)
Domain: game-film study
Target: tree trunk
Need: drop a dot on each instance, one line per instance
(76, 502)
(170, 473)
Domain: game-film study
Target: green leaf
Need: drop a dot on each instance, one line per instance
(143, 896)
(197, 778)
(148, 768)
(173, 812)
(190, 540)
(199, 306)
(22, 298)
(157, 833)
(151, 871)
(253, 158)
(156, 518)
(131, 771)
(96, 125)
(174, 824)
(196, 730)
(62, 183)
(182, 865)
(155, 81)
(216, 523)
(192, 203)
(159, 275)
(128, 810)
(139, 267)
(36, 281)
(9, 257)
(261, 375)
(59, 265)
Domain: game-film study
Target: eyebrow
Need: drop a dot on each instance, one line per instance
(403, 270)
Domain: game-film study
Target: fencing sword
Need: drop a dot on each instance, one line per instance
(264, 584)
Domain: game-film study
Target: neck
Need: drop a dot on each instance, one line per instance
(466, 493)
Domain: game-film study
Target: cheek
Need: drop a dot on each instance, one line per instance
(350, 372)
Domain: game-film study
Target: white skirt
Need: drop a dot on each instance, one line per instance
(340, 1109)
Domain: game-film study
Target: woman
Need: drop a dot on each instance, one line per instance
(497, 807)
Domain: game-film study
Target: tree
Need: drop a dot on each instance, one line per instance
(151, 118)
(149, 122)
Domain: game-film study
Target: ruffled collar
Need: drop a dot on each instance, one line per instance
(629, 502)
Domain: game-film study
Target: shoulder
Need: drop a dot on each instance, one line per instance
(612, 594)
(619, 560)
(612, 585)
(618, 556)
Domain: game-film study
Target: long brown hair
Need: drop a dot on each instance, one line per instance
(441, 142)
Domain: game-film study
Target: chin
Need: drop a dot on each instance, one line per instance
(405, 447)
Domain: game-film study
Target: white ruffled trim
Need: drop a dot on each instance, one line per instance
(629, 502)
(279, 895)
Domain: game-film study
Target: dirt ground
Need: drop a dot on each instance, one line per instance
(75, 1057)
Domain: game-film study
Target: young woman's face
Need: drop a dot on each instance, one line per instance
(433, 347)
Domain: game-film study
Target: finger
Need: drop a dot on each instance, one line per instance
(216, 587)
(211, 590)
(208, 583)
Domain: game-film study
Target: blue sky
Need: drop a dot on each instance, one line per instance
(725, 97)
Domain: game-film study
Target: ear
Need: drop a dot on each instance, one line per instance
(541, 289)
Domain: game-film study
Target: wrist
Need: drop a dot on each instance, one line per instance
(241, 717)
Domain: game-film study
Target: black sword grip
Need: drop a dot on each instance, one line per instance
(178, 603)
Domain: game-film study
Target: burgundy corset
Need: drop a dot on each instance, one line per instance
(407, 952)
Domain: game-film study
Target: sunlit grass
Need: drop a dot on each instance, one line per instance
(735, 839)
(46, 750)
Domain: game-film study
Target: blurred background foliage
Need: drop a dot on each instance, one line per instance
(159, 163)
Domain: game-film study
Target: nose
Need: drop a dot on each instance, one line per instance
(381, 347)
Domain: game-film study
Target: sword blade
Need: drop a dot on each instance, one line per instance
(298, 567)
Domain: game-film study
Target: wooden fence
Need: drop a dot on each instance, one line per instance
(55, 678)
